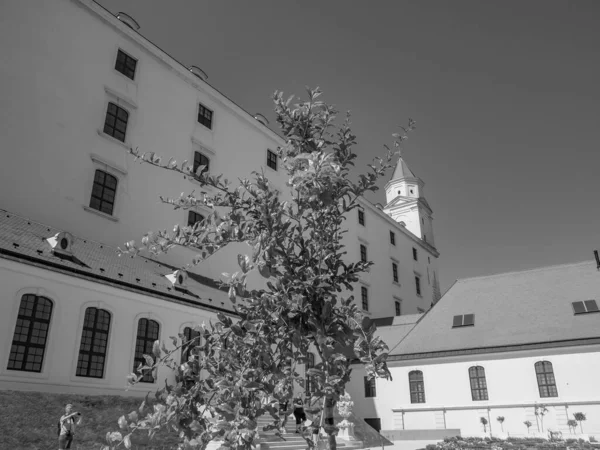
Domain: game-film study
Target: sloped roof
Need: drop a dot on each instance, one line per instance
(25, 240)
(393, 330)
(402, 170)
(511, 309)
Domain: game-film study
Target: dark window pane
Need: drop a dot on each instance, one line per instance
(103, 192)
(29, 339)
(271, 160)
(365, 298)
(193, 218)
(205, 116)
(416, 386)
(115, 123)
(469, 319)
(392, 238)
(545, 378)
(578, 307)
(591, 305)
(146, 335)
(94, 339)
(125, 64)
(200, 160)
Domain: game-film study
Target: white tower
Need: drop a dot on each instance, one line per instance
(405, 202)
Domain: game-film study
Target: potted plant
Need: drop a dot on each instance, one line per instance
(484, 422)
(501, 420)
(580, 417)
(527, 423)
(572, 423)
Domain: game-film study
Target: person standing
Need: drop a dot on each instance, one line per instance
(67, 424)
(299, 414)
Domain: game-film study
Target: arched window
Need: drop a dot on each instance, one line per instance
(200, 159)
(103, 192)
(545, 379)
(417, 387)
(478, 383)
(189, 334)
(31, 334)
(94, 341)
(147, 333)
(309, 384)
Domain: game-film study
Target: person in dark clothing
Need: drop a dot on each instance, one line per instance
(299, 414)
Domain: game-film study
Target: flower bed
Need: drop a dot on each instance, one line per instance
(473, 443)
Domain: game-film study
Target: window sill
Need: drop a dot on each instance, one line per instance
(100, 213)
(113, 140)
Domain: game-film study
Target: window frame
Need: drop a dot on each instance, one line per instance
(361, 217)
(363, 253)
(36, 294)
(478, 376)
(545, 374)
(397, 307)
(107, 113)
(146, 339)
(589, 306)
(127, 57)
(197, 163)
(416, 395)
(418, 289)
(392, 238)
(395, 276)
(370, 387)
(191, 212)
(189, 335)
(91, 353)
(272, 159)
(364, 297)
(207, 122)
(415, 254)
(103, 188)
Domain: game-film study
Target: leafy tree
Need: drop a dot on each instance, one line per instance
(580, 417)
(528, 424)
(484, 422)
(501, 420)
(540, 411)
(572, 425)
(245, 366)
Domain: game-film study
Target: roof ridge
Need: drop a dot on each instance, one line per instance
(513, 272)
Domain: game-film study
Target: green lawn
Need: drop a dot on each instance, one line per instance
(28, 421)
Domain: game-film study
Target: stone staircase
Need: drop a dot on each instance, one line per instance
(270, 441)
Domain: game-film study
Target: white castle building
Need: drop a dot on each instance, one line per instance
(81, 85)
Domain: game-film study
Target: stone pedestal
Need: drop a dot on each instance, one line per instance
(346, 430)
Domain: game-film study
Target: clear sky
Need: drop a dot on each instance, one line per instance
(506, 96)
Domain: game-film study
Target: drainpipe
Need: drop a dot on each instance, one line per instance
(490, 421)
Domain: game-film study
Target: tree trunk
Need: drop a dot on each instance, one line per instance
(581, 427)
(332, 442)
(329, 423)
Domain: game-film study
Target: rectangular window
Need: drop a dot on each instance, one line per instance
(200, 159)
(363, 253)
(125, 64)
(115, 123)
(194, 218)
(374, 423)
(94, 341)
(395, 271)
(364, 293)
(271, 160)
(192, 340)
(418, 285)
(370, 388)
(584, 307)
(361, 217)
(205, 116)
(415, 256)
(104, 191)
(398, 308)
(392, 238)
(465, 320)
